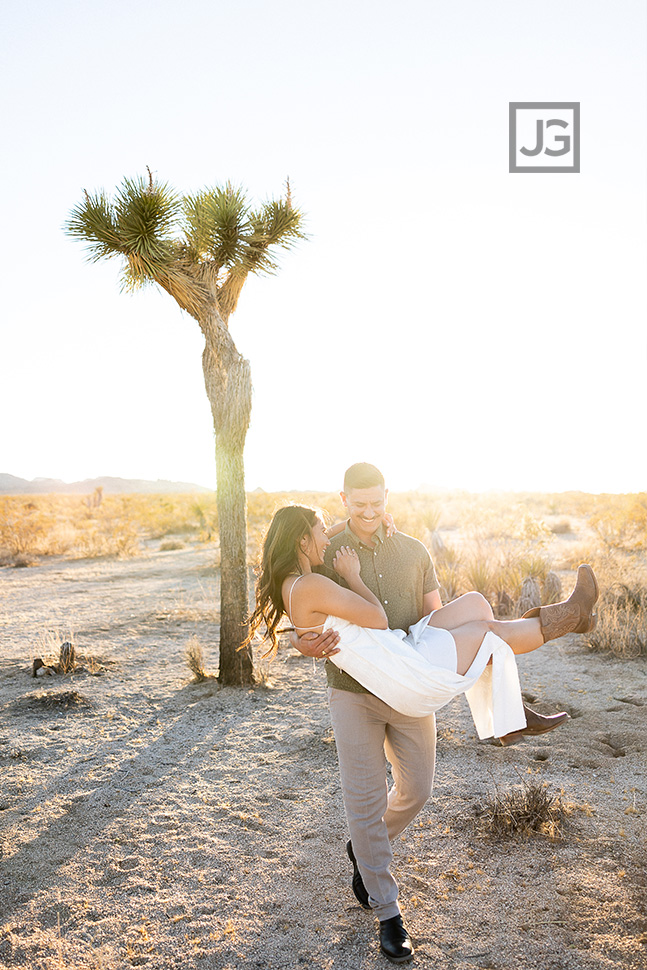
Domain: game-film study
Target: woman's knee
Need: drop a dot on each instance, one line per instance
(478, 606)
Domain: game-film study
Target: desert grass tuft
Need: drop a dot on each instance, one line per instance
(622, 622)
(526, 809)
(449, 579)
(480, 573)
(195, 660)
(172, 545)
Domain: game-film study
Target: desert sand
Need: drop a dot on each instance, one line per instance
(148, 820)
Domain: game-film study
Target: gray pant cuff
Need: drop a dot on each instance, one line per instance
(386, 911)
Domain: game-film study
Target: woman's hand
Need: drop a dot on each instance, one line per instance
(346, 563)
(389, 525)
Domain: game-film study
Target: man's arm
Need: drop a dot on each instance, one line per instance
(431, 601)
(319, 645)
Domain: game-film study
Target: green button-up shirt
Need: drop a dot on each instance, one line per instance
(399, 571)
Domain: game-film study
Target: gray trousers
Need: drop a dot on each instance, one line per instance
(365, 728)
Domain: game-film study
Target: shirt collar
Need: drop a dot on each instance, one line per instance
(379, 535)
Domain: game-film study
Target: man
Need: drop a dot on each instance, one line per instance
(399, 571)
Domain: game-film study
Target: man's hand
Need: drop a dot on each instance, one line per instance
(318, 645)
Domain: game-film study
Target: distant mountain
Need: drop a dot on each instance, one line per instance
(10, 485)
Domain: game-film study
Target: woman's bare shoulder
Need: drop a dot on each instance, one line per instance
(307, 583)
(314, 581)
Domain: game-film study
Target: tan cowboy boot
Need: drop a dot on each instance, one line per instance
(574, 615)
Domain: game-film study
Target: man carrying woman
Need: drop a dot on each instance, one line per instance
(405, 678)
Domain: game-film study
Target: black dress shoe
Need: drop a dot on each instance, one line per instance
(358, 883)
(537, 724)
(395, 942)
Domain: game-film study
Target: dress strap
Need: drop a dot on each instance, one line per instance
(290, 601)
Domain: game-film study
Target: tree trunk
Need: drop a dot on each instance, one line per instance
(229, 389)
(236, 666)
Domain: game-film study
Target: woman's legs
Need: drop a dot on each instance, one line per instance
(522, 636)
(470, 617)
(464, 609)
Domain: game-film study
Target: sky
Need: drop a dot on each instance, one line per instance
(457, 325)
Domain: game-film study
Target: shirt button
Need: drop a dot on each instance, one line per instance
(386, 602)
(380, 575)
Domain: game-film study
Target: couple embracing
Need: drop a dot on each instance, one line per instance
(394, 655)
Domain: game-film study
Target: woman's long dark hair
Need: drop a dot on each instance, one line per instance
(279, 558)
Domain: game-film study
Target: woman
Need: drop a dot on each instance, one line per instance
(459, 648)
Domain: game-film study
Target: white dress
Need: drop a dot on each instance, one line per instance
(415, 673)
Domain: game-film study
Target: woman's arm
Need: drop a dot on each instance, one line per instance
(346, 563)
(321, 597)
(334, 530)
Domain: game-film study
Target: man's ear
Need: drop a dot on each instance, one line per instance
(344, 500)
(386, 497)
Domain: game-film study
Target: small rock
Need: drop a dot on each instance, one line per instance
(40, 668)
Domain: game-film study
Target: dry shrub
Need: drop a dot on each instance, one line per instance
(526, 809)
(622, 622)
(23, 529)
(110, 535)
(55, 700)
(171, 545)
(415, 513)
(480, 573)
(449, 579)
(449, 554)
(70, 525)
(49, 646)
(561, 527)
(573, 554)
(436, 546)
(508, 583)
(207, 517)
(534, 564)
(621, 522)
(195, 660)
(430, 516)
(506, 530)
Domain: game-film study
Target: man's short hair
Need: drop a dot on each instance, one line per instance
(362, 475)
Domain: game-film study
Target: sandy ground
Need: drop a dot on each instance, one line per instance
(161, 823)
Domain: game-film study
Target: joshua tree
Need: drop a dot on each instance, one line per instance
(200, 249)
